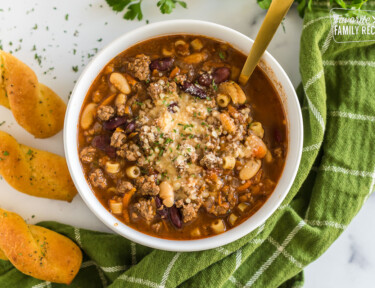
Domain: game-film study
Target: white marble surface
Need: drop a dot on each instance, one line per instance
(64, 42)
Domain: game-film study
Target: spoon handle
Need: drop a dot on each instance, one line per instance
(274, 16)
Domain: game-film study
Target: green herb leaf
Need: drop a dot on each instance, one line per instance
(264, 4)
(214, 85)
(118, 5)
(6, 153)
(222, 55)
(167, 6)
(134, 10)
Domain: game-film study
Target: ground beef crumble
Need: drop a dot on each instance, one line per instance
(210, 161)
(118, 139)
(124, 186)
(130, 151)
(147, 185)
(87, 154)
(189, 211)
(139, 67)
(105, 113)
(145, 208)
(97, 179)
(161, 87)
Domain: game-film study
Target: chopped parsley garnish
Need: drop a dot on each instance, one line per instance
(222, 55)
(214, 85)
(75, 68)
(38, 58)
(209, 109)
(186, 126)
(66, 17)
(168, 140)
(29, 152)
(5, 153)
(140, 104)
(204, 124)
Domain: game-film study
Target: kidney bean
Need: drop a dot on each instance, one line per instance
(130, 128)
(171, 107)
(110, 151)
(278, 135)
(221, 74)
(113, 123)
(194, 90)
(162, 212)
(162, 64)
(101, 142)
(205, 79)
(175, 216)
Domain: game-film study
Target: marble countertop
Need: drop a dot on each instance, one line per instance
(57, 37)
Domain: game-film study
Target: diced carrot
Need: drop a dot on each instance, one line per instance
(260, 152)
(127, 110)
(108, 100)
(127, 197)
(130, 79)
(232, 110)
(244, 186)
(213, 176)
(174, 72)
(125, 214)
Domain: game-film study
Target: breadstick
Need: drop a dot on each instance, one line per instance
(34, 172)
(37, 251)
(34, 106)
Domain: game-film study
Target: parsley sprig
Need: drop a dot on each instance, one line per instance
(134, 10)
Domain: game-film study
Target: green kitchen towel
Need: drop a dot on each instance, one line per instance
(336, 176)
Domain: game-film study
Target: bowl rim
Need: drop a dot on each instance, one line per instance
(85, 81)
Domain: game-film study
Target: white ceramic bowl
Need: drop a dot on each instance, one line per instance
(239, 41)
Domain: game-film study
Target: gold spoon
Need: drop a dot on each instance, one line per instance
(274, 16)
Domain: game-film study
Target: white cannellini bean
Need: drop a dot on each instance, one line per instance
(250, 169)
(119, 81)
(120, 99)
(88, 116)
(166, 193)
